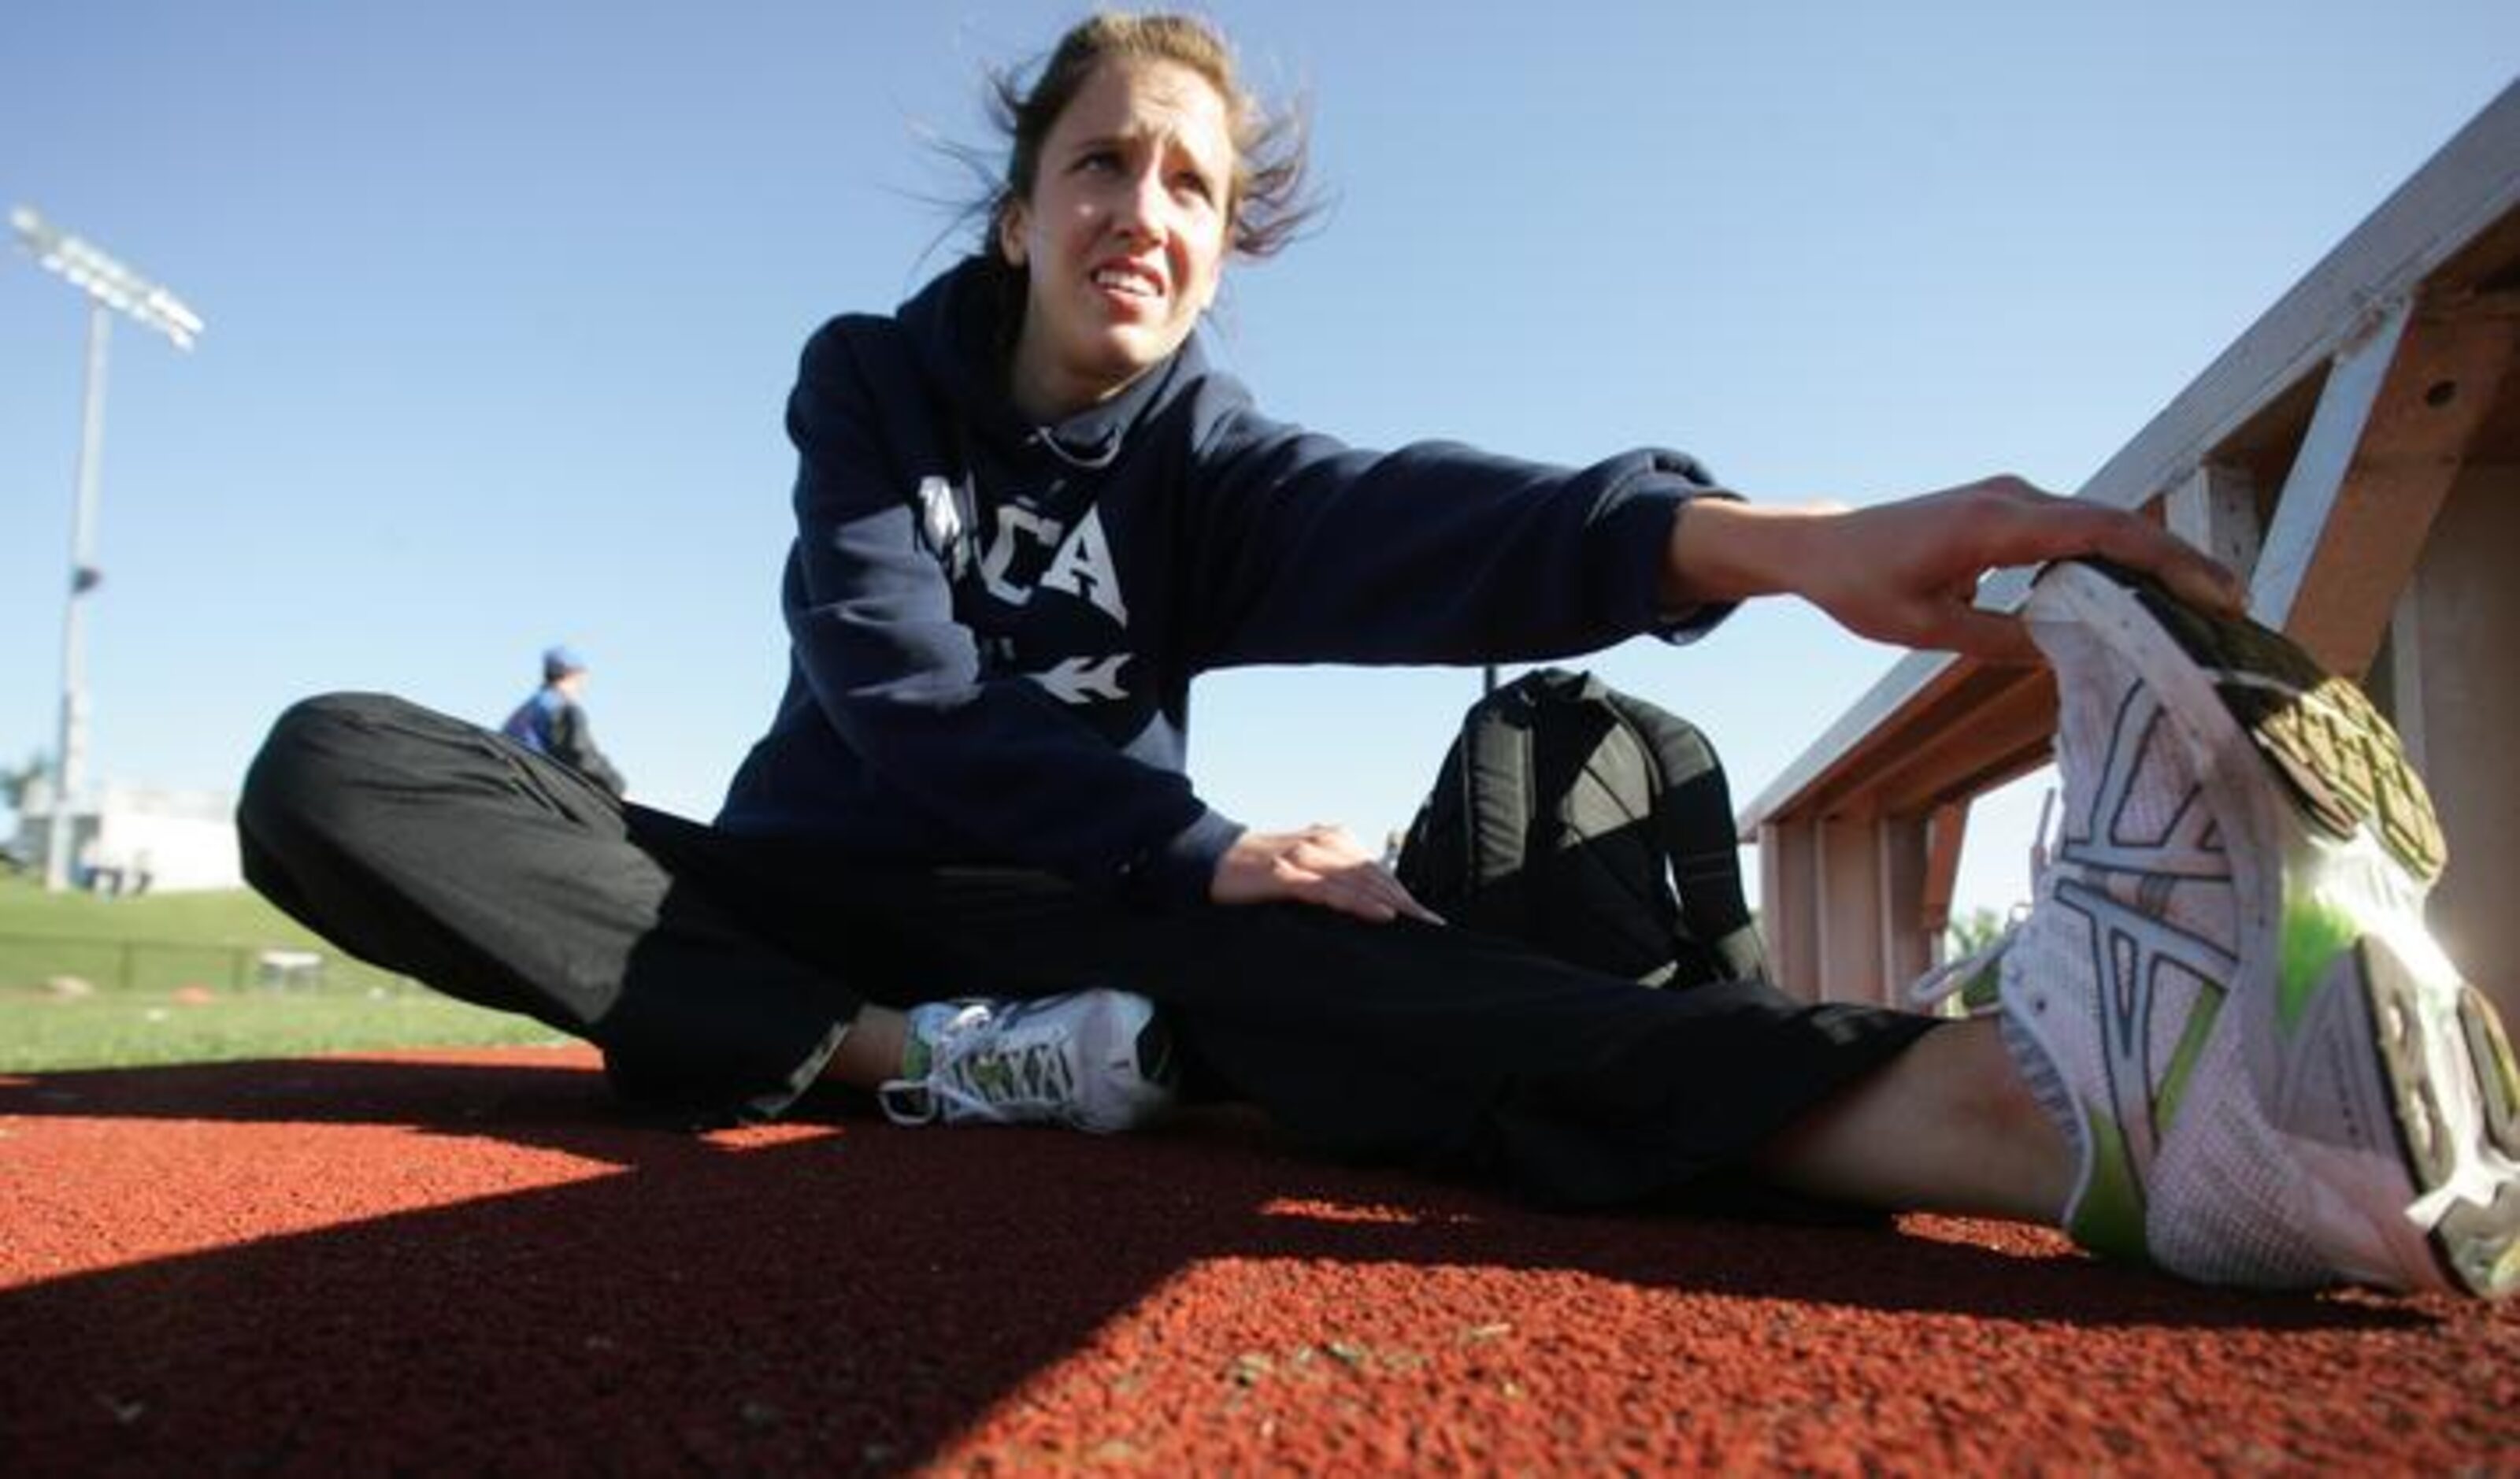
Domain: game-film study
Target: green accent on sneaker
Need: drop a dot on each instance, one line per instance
(2313, 935)
(2503, 1274)
(2183, 1058)
(2108, 1212)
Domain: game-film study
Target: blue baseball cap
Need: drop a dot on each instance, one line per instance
(560, 661)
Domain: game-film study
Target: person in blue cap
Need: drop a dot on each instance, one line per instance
(553, 722)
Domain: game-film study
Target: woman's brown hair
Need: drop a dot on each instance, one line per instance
(1267, 204)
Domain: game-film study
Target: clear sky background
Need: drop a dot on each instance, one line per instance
(504, 301)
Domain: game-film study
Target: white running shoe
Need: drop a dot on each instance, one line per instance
(1098, 1061)
(2225, 990)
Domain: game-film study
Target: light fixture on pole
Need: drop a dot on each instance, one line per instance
(109, 286)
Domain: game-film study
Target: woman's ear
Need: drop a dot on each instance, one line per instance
(1011, 233)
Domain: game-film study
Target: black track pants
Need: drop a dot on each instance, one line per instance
(717, 973)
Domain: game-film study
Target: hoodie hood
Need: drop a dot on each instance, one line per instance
(962, 328)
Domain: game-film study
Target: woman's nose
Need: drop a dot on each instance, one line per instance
(1139, 212)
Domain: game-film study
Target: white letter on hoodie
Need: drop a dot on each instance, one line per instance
(1084, 568)
(1012, 522)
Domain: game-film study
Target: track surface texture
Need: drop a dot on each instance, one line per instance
(471, 1262)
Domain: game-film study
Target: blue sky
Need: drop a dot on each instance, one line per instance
(503, 301)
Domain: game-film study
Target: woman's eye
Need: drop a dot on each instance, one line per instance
(1192, 184)
(1099, 159)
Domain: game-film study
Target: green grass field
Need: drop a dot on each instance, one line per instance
(88, 982)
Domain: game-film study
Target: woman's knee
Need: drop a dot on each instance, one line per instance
(318, 750)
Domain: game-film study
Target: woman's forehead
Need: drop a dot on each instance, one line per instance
(1128, 97)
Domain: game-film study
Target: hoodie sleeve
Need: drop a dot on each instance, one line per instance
(1310, 551)
(900, 679)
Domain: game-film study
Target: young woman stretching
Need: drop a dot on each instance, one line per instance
(1029, 512)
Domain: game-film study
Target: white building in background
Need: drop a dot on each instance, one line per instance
(139, 838)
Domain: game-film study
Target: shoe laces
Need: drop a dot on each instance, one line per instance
(979, 1069)
(1955, 977)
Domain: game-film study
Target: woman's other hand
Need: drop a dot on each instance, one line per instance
(1319, 864)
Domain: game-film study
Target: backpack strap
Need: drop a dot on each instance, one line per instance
(1497, 804)
(1693, 820)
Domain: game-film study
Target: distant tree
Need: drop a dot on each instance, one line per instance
(1964, 936)
(1969, 933)
(14, 783)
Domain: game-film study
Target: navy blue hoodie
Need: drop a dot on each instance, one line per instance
(993, 625)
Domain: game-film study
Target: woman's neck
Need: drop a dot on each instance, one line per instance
(1045, 397)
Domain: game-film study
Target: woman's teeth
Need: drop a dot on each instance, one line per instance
(1124, 282)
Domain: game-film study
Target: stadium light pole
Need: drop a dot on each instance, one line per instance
(111, 288)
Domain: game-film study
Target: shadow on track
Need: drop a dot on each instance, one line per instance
(850, 1299)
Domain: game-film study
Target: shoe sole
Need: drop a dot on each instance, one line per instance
(2439, 1058)
(2476, 1245)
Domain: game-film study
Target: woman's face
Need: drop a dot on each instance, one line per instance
(1124, 233)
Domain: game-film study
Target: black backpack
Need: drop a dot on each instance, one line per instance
(1592, 826)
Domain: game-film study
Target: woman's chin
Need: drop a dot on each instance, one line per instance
(1131, 355)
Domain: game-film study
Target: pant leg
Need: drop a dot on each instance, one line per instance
(437, 849)
(1425, 1045)
(1479, 1055)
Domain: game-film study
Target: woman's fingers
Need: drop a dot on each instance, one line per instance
(1339, 874)
(1323, 866)
(1907, 571)
(1369, 890)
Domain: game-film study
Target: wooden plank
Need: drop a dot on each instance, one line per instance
(1982, 726)
(2345, 571)
(2461, 647)
(2216, 509)
(1946, 835)
(2315, 488)
(1788, 903)
(2006, 732)
(1906, 946)
(1850, 913)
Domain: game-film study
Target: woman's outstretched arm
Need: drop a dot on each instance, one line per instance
(1907, 572)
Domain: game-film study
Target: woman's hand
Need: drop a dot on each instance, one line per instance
(1907, 572)
(1320, 865)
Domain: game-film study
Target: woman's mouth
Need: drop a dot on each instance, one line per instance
(1128, 282)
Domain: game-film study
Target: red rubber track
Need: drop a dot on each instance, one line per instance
(469, 1261)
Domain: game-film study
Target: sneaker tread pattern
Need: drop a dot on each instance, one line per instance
(2338, 756)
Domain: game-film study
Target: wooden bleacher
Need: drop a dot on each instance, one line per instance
(2356, 453)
